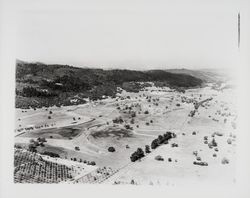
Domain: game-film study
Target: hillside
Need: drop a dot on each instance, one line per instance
(207, 75)
(38, 84)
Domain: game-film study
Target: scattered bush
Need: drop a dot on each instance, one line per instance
(118, 120)
(224, 161)
(77, 148)
(92, 163)
(111, 149)
(159, 158)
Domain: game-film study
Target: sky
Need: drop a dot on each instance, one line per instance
(129, 34)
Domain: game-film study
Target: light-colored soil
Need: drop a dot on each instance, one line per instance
(163, 115)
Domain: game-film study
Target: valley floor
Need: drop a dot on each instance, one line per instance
(85, 132)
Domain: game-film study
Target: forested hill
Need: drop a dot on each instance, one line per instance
(46, 82)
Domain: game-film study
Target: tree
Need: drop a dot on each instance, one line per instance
(92, 163)
(42, 144)
(167, 135)
(77, 148)
(154, 144)
(160, 139)
(118, 120)
(32, 148)
(133, 114)
(111, 149)
(147, 149)
(214, 143)
(41, 139)
(134, 157)
(33, 142)
(127, 126)
(140, 153)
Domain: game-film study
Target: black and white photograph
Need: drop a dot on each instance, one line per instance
(122, 94)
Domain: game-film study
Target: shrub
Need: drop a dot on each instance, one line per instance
(159, 158)
(77, 148)
(127, 126)
(133, 114)
(111, 149)
(118, 120)
(224, 161)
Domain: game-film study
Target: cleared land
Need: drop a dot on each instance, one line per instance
(132, 120)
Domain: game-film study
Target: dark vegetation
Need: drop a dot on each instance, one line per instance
(162, 139)
(111, 149)
(32, 147)
(112, 132)
(31, 168)
(138, 154)
(57, 133)
(51, 154)
(40, 85)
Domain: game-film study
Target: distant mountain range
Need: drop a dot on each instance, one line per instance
(207, 75)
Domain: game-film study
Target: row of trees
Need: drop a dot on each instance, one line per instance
(162, 139)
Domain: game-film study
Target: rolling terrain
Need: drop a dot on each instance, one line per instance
(40, 85)
(152, 131)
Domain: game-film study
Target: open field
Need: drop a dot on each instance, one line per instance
(133, 120)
